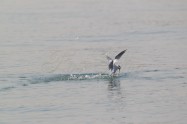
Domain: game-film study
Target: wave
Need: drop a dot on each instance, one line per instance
(75, 77)
(152, 74)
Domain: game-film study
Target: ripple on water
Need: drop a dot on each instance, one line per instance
(154, 74)
(66, 77)
(7, 88)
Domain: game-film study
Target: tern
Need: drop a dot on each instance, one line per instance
(113, 63)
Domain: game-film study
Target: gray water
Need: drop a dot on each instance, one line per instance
(53, 67)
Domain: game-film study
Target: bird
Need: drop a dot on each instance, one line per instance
(112, 66)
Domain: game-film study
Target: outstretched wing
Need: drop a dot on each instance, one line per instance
(120, 54)
(108, 58)
(110, 66)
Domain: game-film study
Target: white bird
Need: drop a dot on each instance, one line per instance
(112, 63)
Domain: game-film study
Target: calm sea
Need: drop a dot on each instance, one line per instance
(53, 67)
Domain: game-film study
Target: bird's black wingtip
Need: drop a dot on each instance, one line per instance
(124, 51)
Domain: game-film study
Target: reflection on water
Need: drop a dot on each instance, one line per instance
(114, 83)
(116, 99)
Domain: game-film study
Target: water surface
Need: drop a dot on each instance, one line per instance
(54, 70)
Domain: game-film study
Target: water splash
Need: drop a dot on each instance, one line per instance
(75, 77)
(152, 74)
